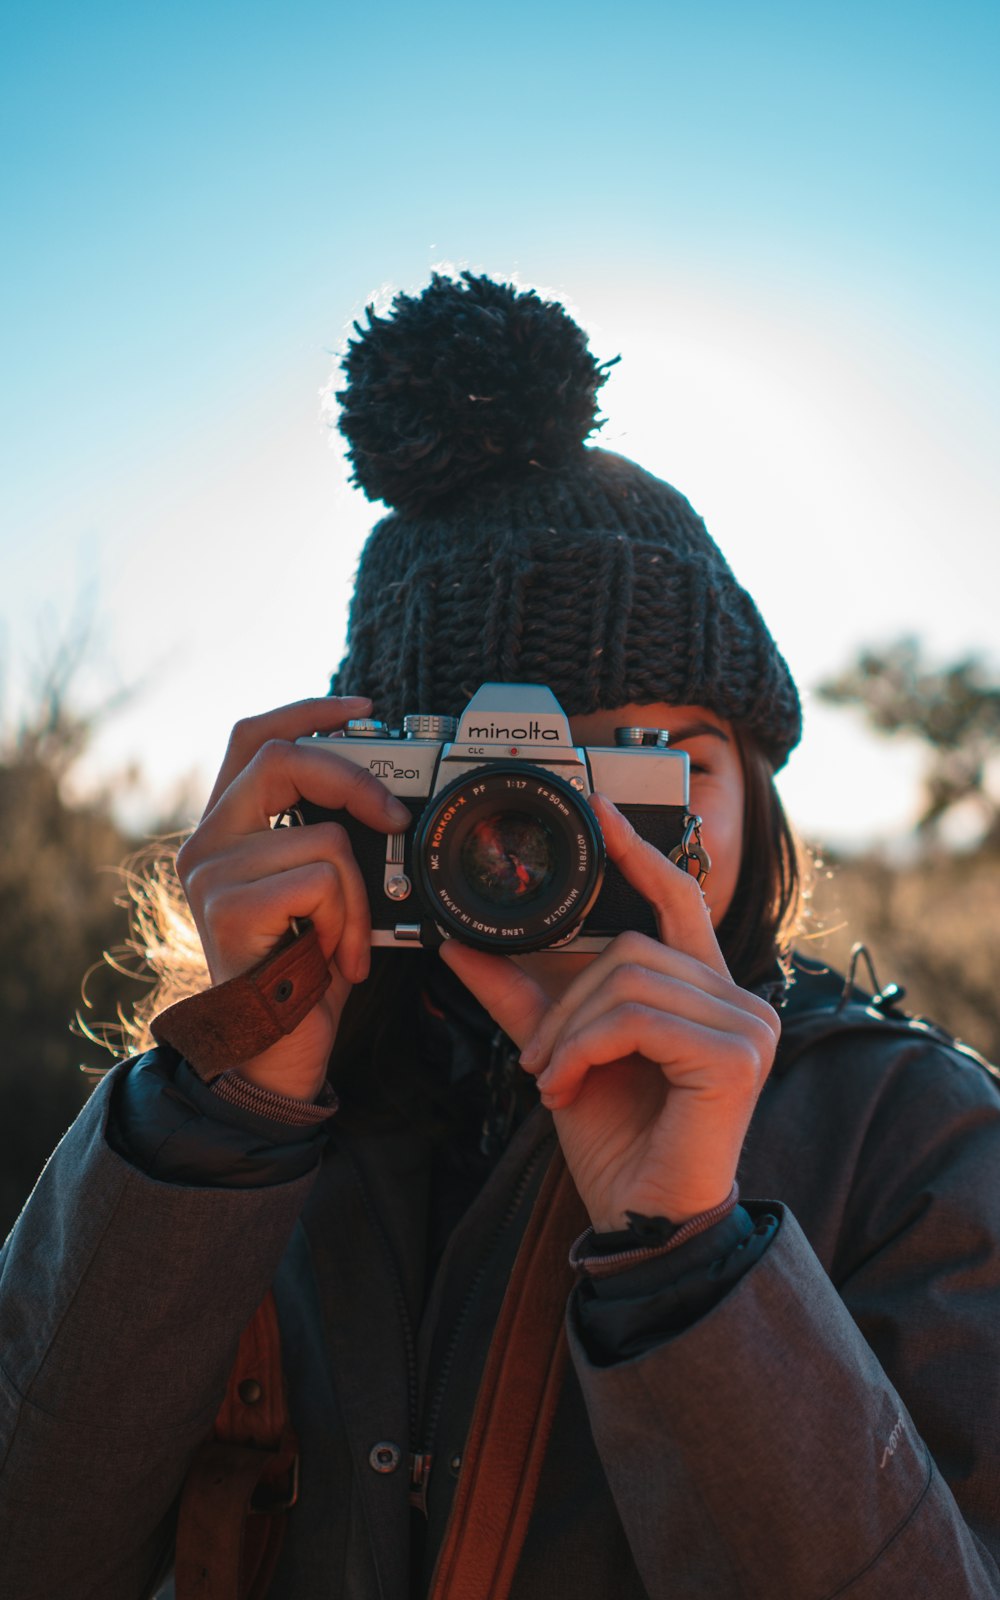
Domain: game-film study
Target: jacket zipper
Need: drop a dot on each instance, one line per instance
(399, 1296)
(422, 1459)
(420, 1475)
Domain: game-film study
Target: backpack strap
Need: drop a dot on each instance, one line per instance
(243, 1480)
(515, 1406)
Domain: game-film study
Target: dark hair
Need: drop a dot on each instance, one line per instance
(768, 904)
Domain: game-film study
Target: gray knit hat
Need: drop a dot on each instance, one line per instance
(517, 554)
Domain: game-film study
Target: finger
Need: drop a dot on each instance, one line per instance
(514, 1001)
(281, 774)
(258, 856)
(631, 985)
(322, 714)
(246, 920)
(718, 1066)
(637, 950)
(682, 916)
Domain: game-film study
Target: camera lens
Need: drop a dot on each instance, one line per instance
(509, 857)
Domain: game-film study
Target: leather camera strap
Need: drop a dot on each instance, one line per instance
(227, 1024)
(515, 1406)
(243, 1480)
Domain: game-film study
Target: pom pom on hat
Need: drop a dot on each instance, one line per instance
(512, 553)
(468, 381)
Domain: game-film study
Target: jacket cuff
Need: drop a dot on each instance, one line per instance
(239, 1091)
(167, 1123)
(626, 1314)
(597, 1255)
(234, 1021)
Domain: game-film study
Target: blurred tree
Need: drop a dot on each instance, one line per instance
(931, 922)
(954, 710)
(58, 912)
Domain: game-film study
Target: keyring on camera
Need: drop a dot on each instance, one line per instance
(690, 855)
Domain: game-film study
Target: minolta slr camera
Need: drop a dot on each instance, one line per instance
(504, 851)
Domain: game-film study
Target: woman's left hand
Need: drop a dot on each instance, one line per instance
(653, 1058)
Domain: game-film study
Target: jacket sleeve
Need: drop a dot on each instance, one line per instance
(834, 1433)
(121, 1301)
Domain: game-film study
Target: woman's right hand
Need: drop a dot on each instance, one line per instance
(245, 880)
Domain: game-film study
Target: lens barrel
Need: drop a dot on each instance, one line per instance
(509, 857)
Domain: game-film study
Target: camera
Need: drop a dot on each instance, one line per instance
(504, 851)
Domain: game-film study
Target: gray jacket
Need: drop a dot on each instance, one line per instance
(829, 1428)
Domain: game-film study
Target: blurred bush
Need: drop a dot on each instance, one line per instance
(58, 912)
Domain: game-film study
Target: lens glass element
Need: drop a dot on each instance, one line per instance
(508, 858)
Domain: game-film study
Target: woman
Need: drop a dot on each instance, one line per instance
(796, 1394)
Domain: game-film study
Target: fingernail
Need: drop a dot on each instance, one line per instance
(530, 1053)
(397, 812)
(544, 1078)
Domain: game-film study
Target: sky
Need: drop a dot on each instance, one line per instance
(783, 218)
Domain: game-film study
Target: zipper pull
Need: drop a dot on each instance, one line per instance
(420, 1471)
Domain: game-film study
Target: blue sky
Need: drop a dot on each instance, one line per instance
(784, 217)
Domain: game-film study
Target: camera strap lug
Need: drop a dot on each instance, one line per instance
(690, 855)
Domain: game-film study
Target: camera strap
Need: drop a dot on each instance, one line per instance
(221, 1027)
(515, 1405)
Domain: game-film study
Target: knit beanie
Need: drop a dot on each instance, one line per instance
(514, 552)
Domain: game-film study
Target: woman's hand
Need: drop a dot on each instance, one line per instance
(653, 1058)
(245, 880)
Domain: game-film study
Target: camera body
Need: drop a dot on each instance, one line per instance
(504, 851)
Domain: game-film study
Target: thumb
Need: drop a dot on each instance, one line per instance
(515, 1002)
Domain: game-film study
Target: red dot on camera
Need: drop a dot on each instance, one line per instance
(513, 749)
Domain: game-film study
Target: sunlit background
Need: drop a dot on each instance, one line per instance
(783, 217)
